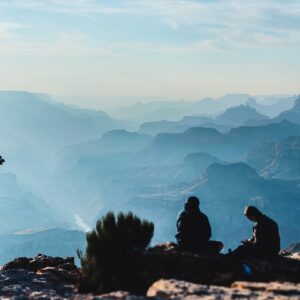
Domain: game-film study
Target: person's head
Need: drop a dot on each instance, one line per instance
(192, 204)
(252, 213)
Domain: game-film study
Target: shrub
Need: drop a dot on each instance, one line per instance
(110, 261)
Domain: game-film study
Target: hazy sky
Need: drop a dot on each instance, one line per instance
(169, 48)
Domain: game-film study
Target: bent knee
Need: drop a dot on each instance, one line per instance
(220, 245)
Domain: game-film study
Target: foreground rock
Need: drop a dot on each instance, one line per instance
(38, 277)
(173, 289)
(27, 284)
(223, 277)
(292, 249)
(164, 261)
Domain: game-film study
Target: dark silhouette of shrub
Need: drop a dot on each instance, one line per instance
(111, 258)
(2, 161)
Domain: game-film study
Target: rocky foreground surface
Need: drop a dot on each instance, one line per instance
(219, 277)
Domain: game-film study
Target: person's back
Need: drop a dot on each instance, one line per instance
(266, 234)
(265, 240)
(194, 231)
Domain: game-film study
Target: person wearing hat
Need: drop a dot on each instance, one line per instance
(265, 240)
(194, 231)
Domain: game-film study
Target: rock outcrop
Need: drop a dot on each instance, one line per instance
(292, 249)
(42, 276)
(173, 289)
(166, 273)
(165, 261)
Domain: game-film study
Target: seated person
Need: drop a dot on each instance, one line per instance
(194, 231)
(265, 240)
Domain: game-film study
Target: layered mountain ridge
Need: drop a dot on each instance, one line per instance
(75, 178)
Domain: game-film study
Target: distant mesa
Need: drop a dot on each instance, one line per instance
(266, 133)
(232, 117)
(292, 115)
(278, 159)
(176, 110)
(123, 134)
(113, 141)
(235, 171)
(195, 164)
(237, 116)
(272, 110)
(232, 146)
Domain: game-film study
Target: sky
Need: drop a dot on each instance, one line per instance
(177, 49)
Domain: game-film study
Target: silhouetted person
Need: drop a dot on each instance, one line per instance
(265, 240)
(194, 231)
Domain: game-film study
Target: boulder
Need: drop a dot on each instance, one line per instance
(165, 261)
(24, 284)
(39, 277)
(174, 289)
(39, 262)
(292, 249)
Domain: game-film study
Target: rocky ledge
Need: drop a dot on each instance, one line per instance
(165, 261)
(42, 276)
(219, 277)
(174, 289)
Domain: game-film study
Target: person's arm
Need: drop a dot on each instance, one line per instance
(180, 224)
(257, 235)
(251, 240)
(207, 227)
